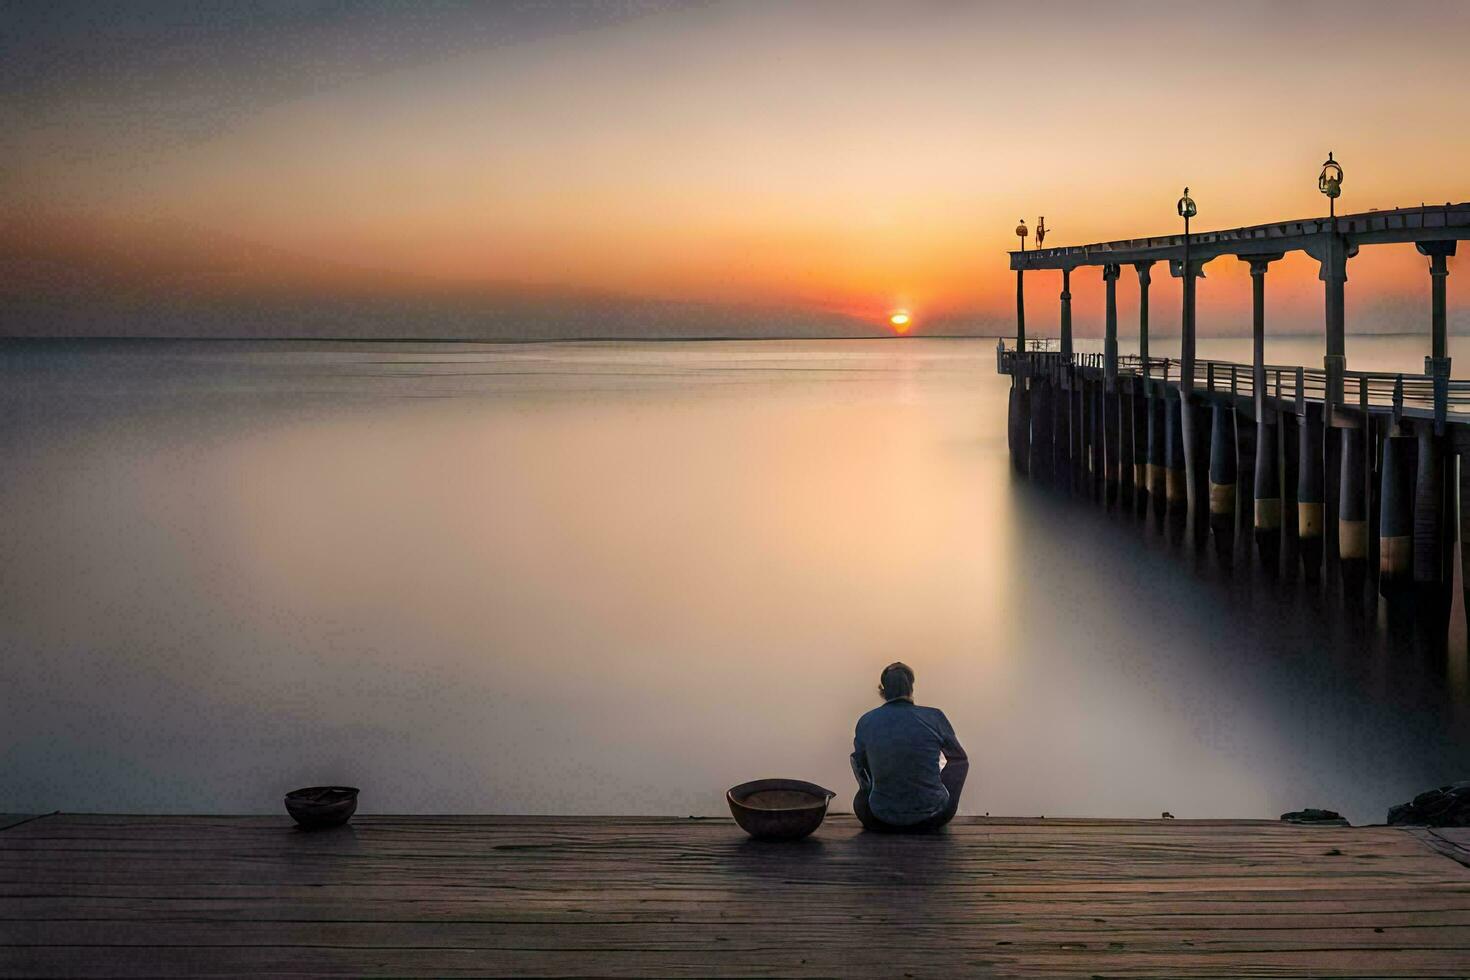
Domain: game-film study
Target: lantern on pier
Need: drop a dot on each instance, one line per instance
(1021, 232)
(1187, 209)
(1040, 231)
(1329, 182)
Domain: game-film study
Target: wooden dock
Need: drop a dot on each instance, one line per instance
(129, 896)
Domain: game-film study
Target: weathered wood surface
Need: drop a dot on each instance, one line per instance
(446, 896)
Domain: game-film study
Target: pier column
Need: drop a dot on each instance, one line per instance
(1267, 488)
(1187, 272)
(1333, 255)
(1259, 264)
(1020, 311)
(1074, 441)
(1195, 476)
(1395, 521)
(1437, 365)
(1066, 314)
(1110, 325)
(1144, 278)
(1112, 419)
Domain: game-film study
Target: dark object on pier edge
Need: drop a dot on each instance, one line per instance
(779, 809)
(1448, 806)
(317, 807)
(1316, 818)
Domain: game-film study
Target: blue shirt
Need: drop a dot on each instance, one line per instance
(897, 748)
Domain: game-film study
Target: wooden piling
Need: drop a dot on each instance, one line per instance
(1176, 490)
(1332, 442)
(1099, 431)
(1288, 432)
(1011, 420)
(1040, 431)
(1223, 466)
(1157, 439)
(1463, 481)
(1245, 463)
(1139, 415)
(1309, 491)
(1267, 521)
(1396, 521)
(1352, 514)
(1194, 435)
(1074, 448)
(1124, 401)
(1373, 482)
(1084, 429)
(1112, 434)
(1429, 512)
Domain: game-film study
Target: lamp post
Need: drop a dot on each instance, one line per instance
(1329, 182)
(1193, 468)
(1187, 210)
(1021, 292)
(1334, 276)
(1040, 231)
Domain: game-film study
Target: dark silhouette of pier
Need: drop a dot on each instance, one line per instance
(1355, 474)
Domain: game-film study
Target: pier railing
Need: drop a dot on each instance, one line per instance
(1397, 393)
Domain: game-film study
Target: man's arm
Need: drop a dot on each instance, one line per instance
(859, 760)
(956, 764)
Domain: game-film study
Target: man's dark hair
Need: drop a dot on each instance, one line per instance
(896, 681)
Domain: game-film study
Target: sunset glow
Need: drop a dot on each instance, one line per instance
(530, 166)
(900, 322)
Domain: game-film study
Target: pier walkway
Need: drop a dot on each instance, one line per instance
(1358, 473)
(132, 896)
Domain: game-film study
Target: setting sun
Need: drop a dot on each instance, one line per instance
(899, 322)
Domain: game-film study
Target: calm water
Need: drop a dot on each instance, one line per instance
(619, 578)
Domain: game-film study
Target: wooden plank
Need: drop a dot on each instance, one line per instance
(147, 896)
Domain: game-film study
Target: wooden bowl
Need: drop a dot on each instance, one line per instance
(322, 806)
(779, 809)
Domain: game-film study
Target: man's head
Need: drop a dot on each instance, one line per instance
(896, 681)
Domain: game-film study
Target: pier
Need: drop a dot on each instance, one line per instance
(155, 896)
(1353, 474)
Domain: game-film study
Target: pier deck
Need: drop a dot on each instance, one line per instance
(448, 896)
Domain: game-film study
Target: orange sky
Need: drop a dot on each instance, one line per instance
(813, 158)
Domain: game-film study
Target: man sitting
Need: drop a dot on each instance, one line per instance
(901, 787)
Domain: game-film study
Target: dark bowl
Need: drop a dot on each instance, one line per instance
(322, 806)
(779, 809)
